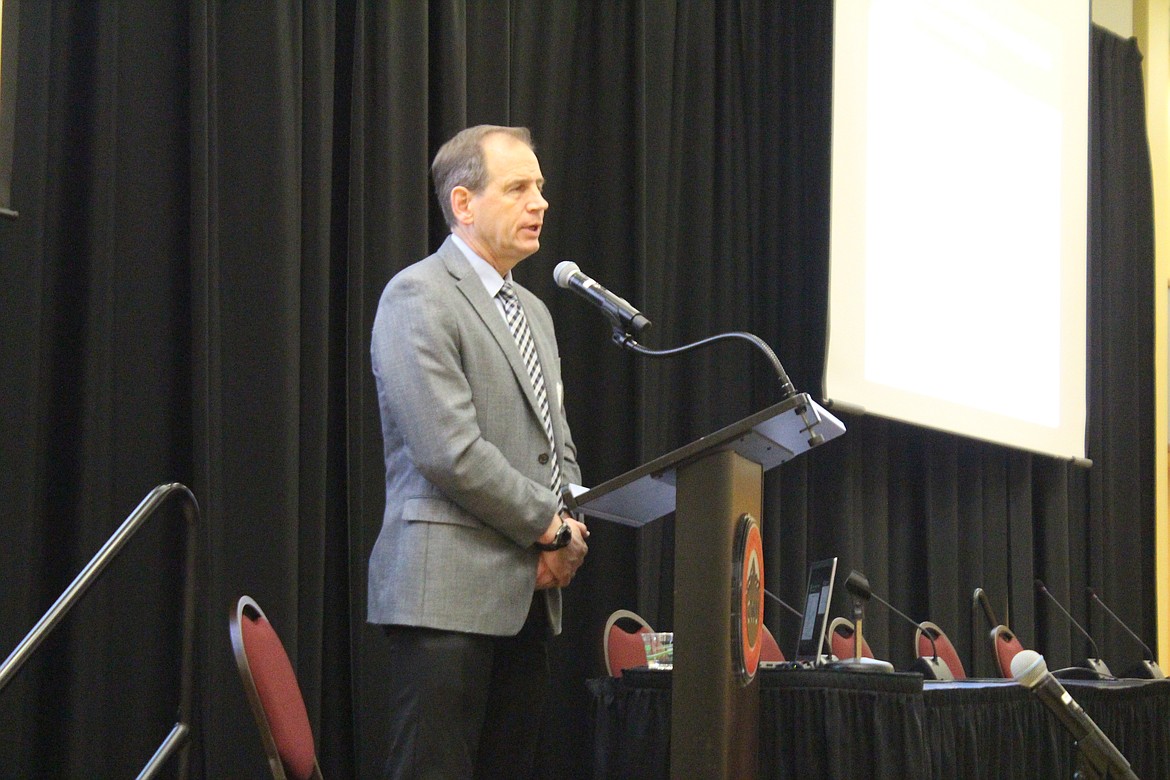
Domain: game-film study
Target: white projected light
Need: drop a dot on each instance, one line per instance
(957, 276)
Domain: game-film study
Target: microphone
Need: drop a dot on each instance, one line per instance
(628, 322)
(1095, 663)
(783, 603)
(1148, 668)
(858, 587)
(1029, 669)
(619, 311)
(933, 668)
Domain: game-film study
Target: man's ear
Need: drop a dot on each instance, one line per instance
(461, 204)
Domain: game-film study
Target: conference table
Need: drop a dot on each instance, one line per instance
(833, 724)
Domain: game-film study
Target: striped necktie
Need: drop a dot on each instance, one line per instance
(518, 324)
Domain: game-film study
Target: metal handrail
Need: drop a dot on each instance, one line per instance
(180, 733)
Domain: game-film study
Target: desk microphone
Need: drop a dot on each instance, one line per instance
(1148, 668)
(933, 668)
(858, 587)
(1095, 663)
(1029, 669)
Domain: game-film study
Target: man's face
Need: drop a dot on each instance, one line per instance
(506, 216)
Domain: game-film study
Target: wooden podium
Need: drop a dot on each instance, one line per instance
(715, 488)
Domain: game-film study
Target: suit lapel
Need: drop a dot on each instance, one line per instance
(472, 289)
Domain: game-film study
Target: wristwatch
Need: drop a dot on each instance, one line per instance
(561, 538)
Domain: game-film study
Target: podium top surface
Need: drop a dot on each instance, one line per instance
(769, 437)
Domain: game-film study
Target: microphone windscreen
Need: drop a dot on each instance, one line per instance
(564, 270)
(1028, 667)
(858, 585)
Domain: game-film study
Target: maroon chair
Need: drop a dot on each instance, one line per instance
(1006, 646)
(942, 645)
(624, 648)
(769, 648)
(271, 686)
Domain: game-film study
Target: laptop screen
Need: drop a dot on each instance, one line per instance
(816, 610)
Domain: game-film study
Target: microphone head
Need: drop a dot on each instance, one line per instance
(858, 585)
(1040, 586)
(564, 271)
(1028, 668)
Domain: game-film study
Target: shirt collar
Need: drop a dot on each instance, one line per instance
(492, 281)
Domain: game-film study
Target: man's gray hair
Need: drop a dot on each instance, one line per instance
(460, 163)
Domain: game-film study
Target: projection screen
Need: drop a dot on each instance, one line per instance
(958, 217)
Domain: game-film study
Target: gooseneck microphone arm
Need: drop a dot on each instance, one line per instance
(783, 603)
(1120, 622)
(628, 322)
(931, 668)
(787, 389)
(1148, 668)
(925, 632)
(1040, 586)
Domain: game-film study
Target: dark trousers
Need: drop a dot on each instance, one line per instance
(466, 705)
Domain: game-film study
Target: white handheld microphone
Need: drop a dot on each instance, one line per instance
(616, 308)
(1029, 669)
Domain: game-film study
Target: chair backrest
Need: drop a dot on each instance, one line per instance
(623, 649)
(1006, 645)
(841, 640)
(942, 645)
(273, 693)
(769, 647)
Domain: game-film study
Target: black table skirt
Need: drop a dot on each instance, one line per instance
(816, 724)
(993, 729)
(812, 724)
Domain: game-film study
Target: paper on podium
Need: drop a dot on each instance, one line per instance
(769, 437)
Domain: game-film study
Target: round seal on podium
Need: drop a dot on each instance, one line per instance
(747, 598)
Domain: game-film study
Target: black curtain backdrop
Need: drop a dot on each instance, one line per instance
(211, 199)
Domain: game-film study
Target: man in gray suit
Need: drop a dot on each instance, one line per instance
(465, 575)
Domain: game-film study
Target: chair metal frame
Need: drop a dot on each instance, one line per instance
(842, 622)
(246, 608)
(941, 640)
(610, 624)
(1003, 639)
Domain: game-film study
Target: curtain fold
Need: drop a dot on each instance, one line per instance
(262, 266)
(1121, 334)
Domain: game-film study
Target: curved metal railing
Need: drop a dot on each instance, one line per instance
(177, 739)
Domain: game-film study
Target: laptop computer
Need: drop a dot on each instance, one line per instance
(815, 622)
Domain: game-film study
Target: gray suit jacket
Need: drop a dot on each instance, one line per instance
(466, 453)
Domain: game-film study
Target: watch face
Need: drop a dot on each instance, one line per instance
(564, 535)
